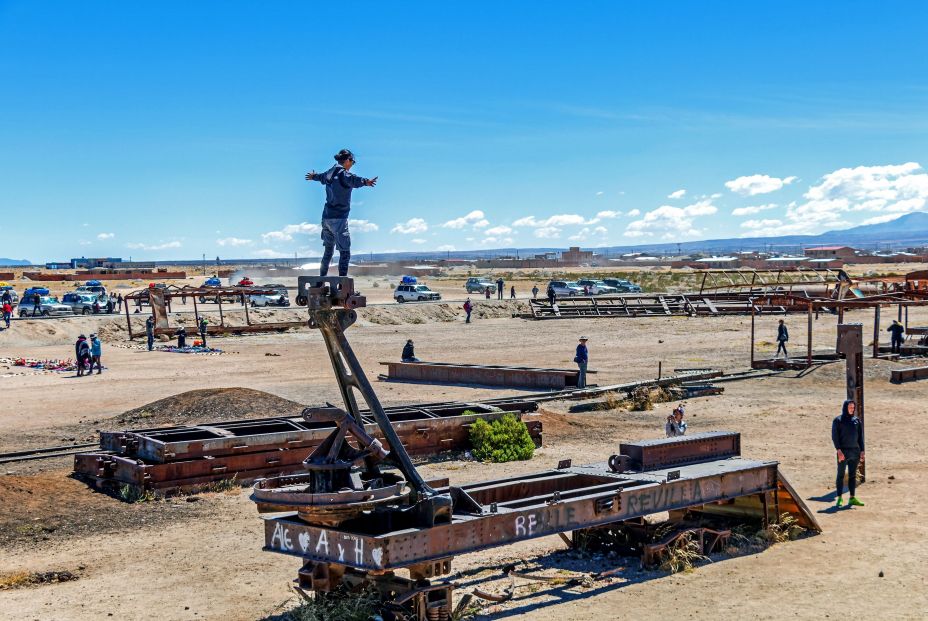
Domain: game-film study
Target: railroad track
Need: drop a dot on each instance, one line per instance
(46, 453)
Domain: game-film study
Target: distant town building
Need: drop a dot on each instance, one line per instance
(844, 253)
(575, 256)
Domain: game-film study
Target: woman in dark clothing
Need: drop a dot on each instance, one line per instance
(782, 338)
(409, 352)
(847, 434)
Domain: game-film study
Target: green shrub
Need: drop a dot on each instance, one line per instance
(505, 439)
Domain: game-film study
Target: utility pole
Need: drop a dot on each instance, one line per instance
(204, 264)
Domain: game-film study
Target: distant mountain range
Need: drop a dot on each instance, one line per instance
(14, 262)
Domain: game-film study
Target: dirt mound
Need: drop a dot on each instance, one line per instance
(209, 405)
(432, 313)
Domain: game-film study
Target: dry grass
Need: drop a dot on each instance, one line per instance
(336, 607)
(683, 555)
(20, 579)
(787, 528)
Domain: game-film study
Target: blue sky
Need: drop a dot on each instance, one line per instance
(173, 129)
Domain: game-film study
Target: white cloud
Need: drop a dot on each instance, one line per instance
(599, 194)
(496, 231)
(445, 248)
(496, 240)
(471, 218)
(677, 194)
(161, 246)
(411, 226)
(103, 236)
(562, 219)
(584, 233)
(600, 230)
(760, 224)
(892, 189)
(364, 226)
(267, 253)
(751, 185)
(672, 222)
(634, 213)
(548, 232)
(479, 224)
(287, 233)
(84, 242)
(418, 240)
(753, 210)
(605, 215)
(233, 241)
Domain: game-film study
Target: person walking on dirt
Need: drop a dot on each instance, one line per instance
(534, 291)
(203, 326)
(36, 305)
(782, 338)
(847, 434)
(81, 354)
(96, 353)
(552, 296)
(409, 352)
(512, 292)
(468, 307)
(150, 332)
(582, 358)
(499, 288)
(338, 182)
(6, 297)
(897, 331)
(487, 293)
(7, 313)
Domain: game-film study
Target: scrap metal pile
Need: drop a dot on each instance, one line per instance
(743, 292)
(361, 513)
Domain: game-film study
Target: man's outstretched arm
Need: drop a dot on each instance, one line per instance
(314, 176)
(355, 181)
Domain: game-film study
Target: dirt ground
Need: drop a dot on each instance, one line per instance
(201, 558)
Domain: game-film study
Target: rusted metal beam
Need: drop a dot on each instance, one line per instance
(489, 375)
(910, 374)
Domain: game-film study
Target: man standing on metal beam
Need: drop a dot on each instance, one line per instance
(338, 182)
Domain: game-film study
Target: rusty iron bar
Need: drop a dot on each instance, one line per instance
(851, 344)
(909, 374)
(488, 375)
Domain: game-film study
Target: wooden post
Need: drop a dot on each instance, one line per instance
(876, 331)
(752, 332)
(850, 343)
(247, 320)
(899, 318)
(907, 318)
(658, 369)
(196, 313)
(125, 302)
(221, 320)
(809, 338)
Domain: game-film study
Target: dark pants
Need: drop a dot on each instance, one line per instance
(468, 317)
(6, 318)
(499, 293)
(82, 364)
(335, 235)
(896, 345)
(551, 300)
(203, 337)
(849, 465)
(36, 310)
(781, 346)
(151, 341)
(95, 360)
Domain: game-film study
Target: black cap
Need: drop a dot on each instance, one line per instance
(343, 155)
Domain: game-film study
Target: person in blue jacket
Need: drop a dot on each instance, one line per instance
(96, 354)
(338, 182)
(847, 434)
(582, 358)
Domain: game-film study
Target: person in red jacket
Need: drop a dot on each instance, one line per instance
(7, 313)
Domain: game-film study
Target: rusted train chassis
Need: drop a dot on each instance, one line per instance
(180, 458)
(702, 474)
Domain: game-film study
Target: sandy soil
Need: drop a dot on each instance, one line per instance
(176, 559)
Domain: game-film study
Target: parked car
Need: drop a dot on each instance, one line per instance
(14, 298)
(479, 285)
(596, 287)
(564, 288)
(81, 303)
(622, 286)
(212, 282)
(48, 306)
(246, 282)
(414, 293)
(278, 298)
(93, 287)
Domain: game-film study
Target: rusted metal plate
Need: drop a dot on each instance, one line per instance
(910, 374)
(600, 499)
(652, 454)
(489, 375)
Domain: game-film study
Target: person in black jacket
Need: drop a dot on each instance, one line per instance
(897, 331)
(409, 352)
(847, 434)
(782, 337)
